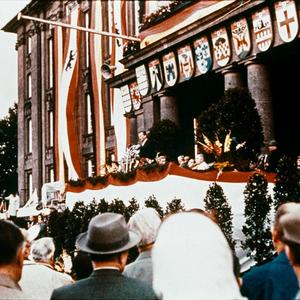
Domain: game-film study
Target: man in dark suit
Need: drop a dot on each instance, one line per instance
(107, 241)
(276, 279)
(147, 147)
(291, 236)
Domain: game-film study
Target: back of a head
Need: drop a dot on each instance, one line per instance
(42, 250)
(146, 222)
(192, 260)
(282, 210)
(11, 239)
(290, 223)
(82, 265)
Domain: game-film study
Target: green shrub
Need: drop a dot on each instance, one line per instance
(235, 112)
(174, 206)
(165, 135)
(57, 229)
(257, 230)
(287, 183)
(216, 200)
(131, 208)
(152, 202)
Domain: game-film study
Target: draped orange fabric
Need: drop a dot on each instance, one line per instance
(173, 169)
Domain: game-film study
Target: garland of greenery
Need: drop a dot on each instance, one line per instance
(78, 182)
(163, 13)
(122, 176)
(97, 179)
(149, 168)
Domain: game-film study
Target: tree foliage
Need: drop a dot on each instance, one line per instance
(287, 183)
(174, 206)
(235, 112)
(152, 202)
(9, 152)
(165, 135)
(216, 200)
(257, 225)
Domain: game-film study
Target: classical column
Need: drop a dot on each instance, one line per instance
(232, 78)
(150, 111)
(139, 121)
(259, 87)
(168, 107)
(133, 128)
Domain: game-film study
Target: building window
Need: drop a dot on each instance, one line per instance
(50, 129)
(51, 176)
(29, 185)
(90, 168)
(29, 87)
(29, 41)
(87, 24)
(89, 120)
(50, 62)
(29, 136)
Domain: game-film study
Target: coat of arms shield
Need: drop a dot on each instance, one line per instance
(202, 54)
(287, 21)
(127, 104)
(241, 37)
(142, 79)
(186, 62)
(156, 76)
(221, 46)
(262, 27)
(135, 95)
(170, 68)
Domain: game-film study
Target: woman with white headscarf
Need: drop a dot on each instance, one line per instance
(192, 260)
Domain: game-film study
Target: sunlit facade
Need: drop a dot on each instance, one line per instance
(72, 120)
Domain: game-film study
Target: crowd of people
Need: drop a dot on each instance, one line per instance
(144, 153)
(183, 256)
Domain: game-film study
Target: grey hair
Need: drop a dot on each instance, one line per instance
(42, 249)
(146, 222)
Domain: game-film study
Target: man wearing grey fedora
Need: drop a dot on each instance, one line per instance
(107, 241)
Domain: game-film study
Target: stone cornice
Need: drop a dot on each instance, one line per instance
(186, 34)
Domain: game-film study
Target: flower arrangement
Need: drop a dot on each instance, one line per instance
(221, 151)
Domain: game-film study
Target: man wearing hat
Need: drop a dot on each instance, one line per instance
(107, 241)
(291, 234)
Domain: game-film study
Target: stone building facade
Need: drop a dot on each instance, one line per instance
(190, 52)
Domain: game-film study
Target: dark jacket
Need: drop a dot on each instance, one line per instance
(141, 268)
(105, 284)
(274, 280)
(147, 150)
